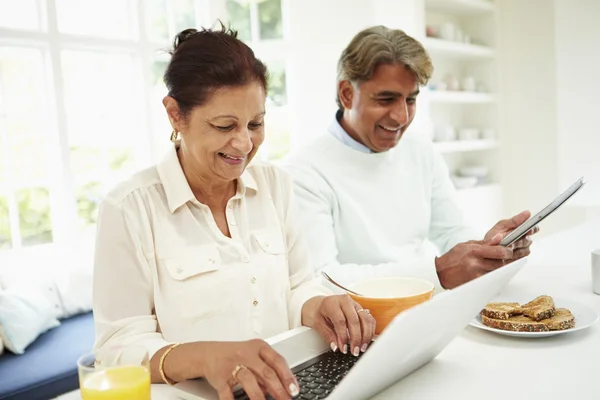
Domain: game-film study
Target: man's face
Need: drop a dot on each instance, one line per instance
(378, 111)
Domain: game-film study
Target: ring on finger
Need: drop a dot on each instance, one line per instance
(365, 310)
(236, 371)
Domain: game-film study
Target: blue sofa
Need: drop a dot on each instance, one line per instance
(49, 366)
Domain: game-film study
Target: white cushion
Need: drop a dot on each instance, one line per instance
(63, 276)
(25, 313)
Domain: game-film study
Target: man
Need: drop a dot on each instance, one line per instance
(374, 197)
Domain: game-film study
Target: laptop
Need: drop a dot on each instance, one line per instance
(411, 340)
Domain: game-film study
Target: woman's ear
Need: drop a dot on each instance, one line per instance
(346, 93)
(174, 113)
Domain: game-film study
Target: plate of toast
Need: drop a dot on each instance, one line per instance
(541, 316)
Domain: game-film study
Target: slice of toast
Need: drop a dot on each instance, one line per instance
(561, 320)
(518, 323)
(542, 307)
(501, 310)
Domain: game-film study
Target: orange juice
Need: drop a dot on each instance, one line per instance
(117, 383)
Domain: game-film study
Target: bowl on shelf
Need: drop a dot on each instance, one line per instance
(463, 182)
(474, 171)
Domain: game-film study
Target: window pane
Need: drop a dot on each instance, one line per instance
(5, 235)
(157, 26)
(106, 18)
(239, 18)
(269, 14)
(3, 149)
(159, 120)
(88, 198)
(21, 14)
(184, 15)
(103, 120)
(34, 216)
(100, 99)
(277, 132)
(277, 93)
(23, 114)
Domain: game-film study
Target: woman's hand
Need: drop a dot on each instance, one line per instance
(254, 365)
(340, 320)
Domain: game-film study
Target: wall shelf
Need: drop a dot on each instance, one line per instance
(457, 49)
(460, 7)
(460, 97)
(457, 146)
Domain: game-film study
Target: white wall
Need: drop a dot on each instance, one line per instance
(537, 42)
(577, 40)
(319, 31)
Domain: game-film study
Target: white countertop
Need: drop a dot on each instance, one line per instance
(480, 364)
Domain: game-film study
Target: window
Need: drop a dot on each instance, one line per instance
(260, 25)
(80, 103)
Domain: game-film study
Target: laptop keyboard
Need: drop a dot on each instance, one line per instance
(317, 377)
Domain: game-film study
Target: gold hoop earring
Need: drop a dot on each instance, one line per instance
(174, 135)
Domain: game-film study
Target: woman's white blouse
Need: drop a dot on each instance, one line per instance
(164, 272)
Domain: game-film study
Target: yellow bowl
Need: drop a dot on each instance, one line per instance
(387, 297)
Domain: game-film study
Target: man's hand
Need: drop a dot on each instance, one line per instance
(504, 227)
(469, 260)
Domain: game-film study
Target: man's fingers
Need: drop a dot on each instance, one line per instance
(512, 223)
(490, 265)
(520, 253)
(522, 243)
(492, 252)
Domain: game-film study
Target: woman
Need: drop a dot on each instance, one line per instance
(202, 255)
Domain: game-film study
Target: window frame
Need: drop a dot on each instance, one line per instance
(51, 42)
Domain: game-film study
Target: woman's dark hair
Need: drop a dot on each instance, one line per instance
(206, 60)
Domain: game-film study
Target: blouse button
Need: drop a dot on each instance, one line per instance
(253, 280)
(211, 261)
(255, 303)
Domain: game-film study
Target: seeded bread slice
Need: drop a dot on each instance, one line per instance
(501, 310)
(562, 319)
(518, 323)
(542, 307)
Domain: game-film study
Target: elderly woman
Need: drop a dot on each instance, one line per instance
(202, 255)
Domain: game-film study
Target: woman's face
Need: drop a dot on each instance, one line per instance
(222, 136)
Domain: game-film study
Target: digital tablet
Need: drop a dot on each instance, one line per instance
(528, 225)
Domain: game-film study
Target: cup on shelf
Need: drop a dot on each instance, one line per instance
(445, 133)
(468, 84)
(431, 31)
(488, 134)
(447, 31)
(479, 172)
(468, 134)
(452, 82)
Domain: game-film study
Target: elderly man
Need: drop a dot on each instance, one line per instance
(375, 198)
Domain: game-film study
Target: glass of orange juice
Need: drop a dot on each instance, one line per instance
(116, 373)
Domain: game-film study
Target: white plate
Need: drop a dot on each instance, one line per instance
(584, 318)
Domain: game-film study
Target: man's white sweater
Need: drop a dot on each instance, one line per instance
(376, 214)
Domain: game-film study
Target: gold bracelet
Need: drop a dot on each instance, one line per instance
(161, 365)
